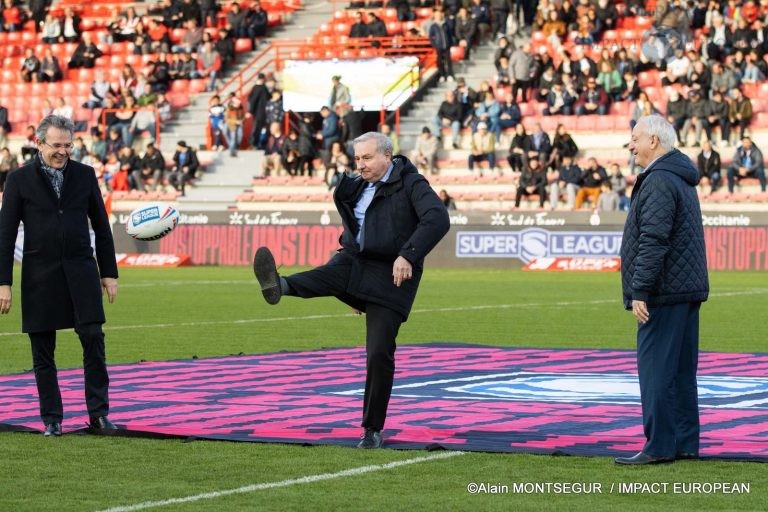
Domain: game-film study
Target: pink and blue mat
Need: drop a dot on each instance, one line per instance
(452, 396)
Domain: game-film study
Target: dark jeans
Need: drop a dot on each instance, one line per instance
(733, 176)
(382, 325)
(667, 360)
(94, 368)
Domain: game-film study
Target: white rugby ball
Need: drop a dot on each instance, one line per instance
(152, 221)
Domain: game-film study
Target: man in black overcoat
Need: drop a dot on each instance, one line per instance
(392, 219)
(61, 280)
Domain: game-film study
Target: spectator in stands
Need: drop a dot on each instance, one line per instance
(330, 131)
(307, 151)
(190, 10)
(465, 31)
(151, 170)
(386, 129)
(554, 29)
(449, 115)
(274, 108)
(98, 145)
(209, 64)
(709, 165)
(747, 163)
(257, 22)
(187, 68)
(114, 142)
(718, 115)
(8, 163)
(698, 111)
(752, 71)
(234, 117)
(677, 113)
(376, 26)
(720, 40)
(489, 112)
(440, 38)
(159, 73)
(257, 104)
(147, 97)
(85, 54)
(482, 15)
(723, 79)
(447, 200)
(608, 200)
(545, 83)
(591, 179)
(520, 64)
(518, 149)
(51, 29)
(208, 11)
(185, 167)
(79, 151)
(559, 101)
(593, 100)
(30, 66)
(111, 169)
(29, 147)
(123, 27)
(540, 146)
(359, 28)
(483, 148)
(504, 49)
(192, 38)
(619, 185)
(157, 36)
(500, 10)
(163, 106)
(38, 10)
(610, 80)
(62, 109)
(340, 98)
(226, 48)
(509, 112)
(100, 89)
(216, 122)
(567, 184)
(562, 145)
(642, 107)
(50, 70)
(123, 118)
(337, 162)
(128, 80)
(70, 26)
(533, 180)
(273, 151)
(425, 152)
(144, 120)
(290, 153)
(130, 164)
(236, 21)
(740, 111)
(630, 88)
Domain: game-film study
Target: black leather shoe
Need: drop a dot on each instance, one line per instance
(266, 272)
(686, 456)
(370, 439)
(103, 424)
(52, 429)
(642, 458)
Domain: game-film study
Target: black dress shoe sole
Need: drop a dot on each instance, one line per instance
(266, 273)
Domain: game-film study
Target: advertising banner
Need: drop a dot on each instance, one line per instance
(735, 241)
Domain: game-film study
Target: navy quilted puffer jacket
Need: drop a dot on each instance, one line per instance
(663, 259)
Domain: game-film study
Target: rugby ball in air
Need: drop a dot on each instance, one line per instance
(152, 221)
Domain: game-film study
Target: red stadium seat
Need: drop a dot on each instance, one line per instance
(457, 53)
(243, 45)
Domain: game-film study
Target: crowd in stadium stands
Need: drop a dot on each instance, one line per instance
(132, 104)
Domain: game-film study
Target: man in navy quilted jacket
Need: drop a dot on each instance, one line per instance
(664, 281)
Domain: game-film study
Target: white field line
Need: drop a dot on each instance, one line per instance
(284, 483)
(108, 328)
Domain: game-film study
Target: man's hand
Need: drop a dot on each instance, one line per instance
(640, 310)
(5, 299)
(110, 286)
(402, 270)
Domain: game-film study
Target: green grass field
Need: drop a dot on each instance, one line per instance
(179, 313)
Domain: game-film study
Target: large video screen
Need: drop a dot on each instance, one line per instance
(373, 83)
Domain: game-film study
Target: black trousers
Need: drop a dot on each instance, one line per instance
(382, 325)
(94, 369)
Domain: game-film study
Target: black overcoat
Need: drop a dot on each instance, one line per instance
(60, 278)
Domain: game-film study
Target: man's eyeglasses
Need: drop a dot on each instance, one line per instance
(57, 147)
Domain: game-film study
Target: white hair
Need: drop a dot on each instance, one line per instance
(661, 128)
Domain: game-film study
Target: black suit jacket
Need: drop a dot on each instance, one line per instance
(405, 218)
(60, 278)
